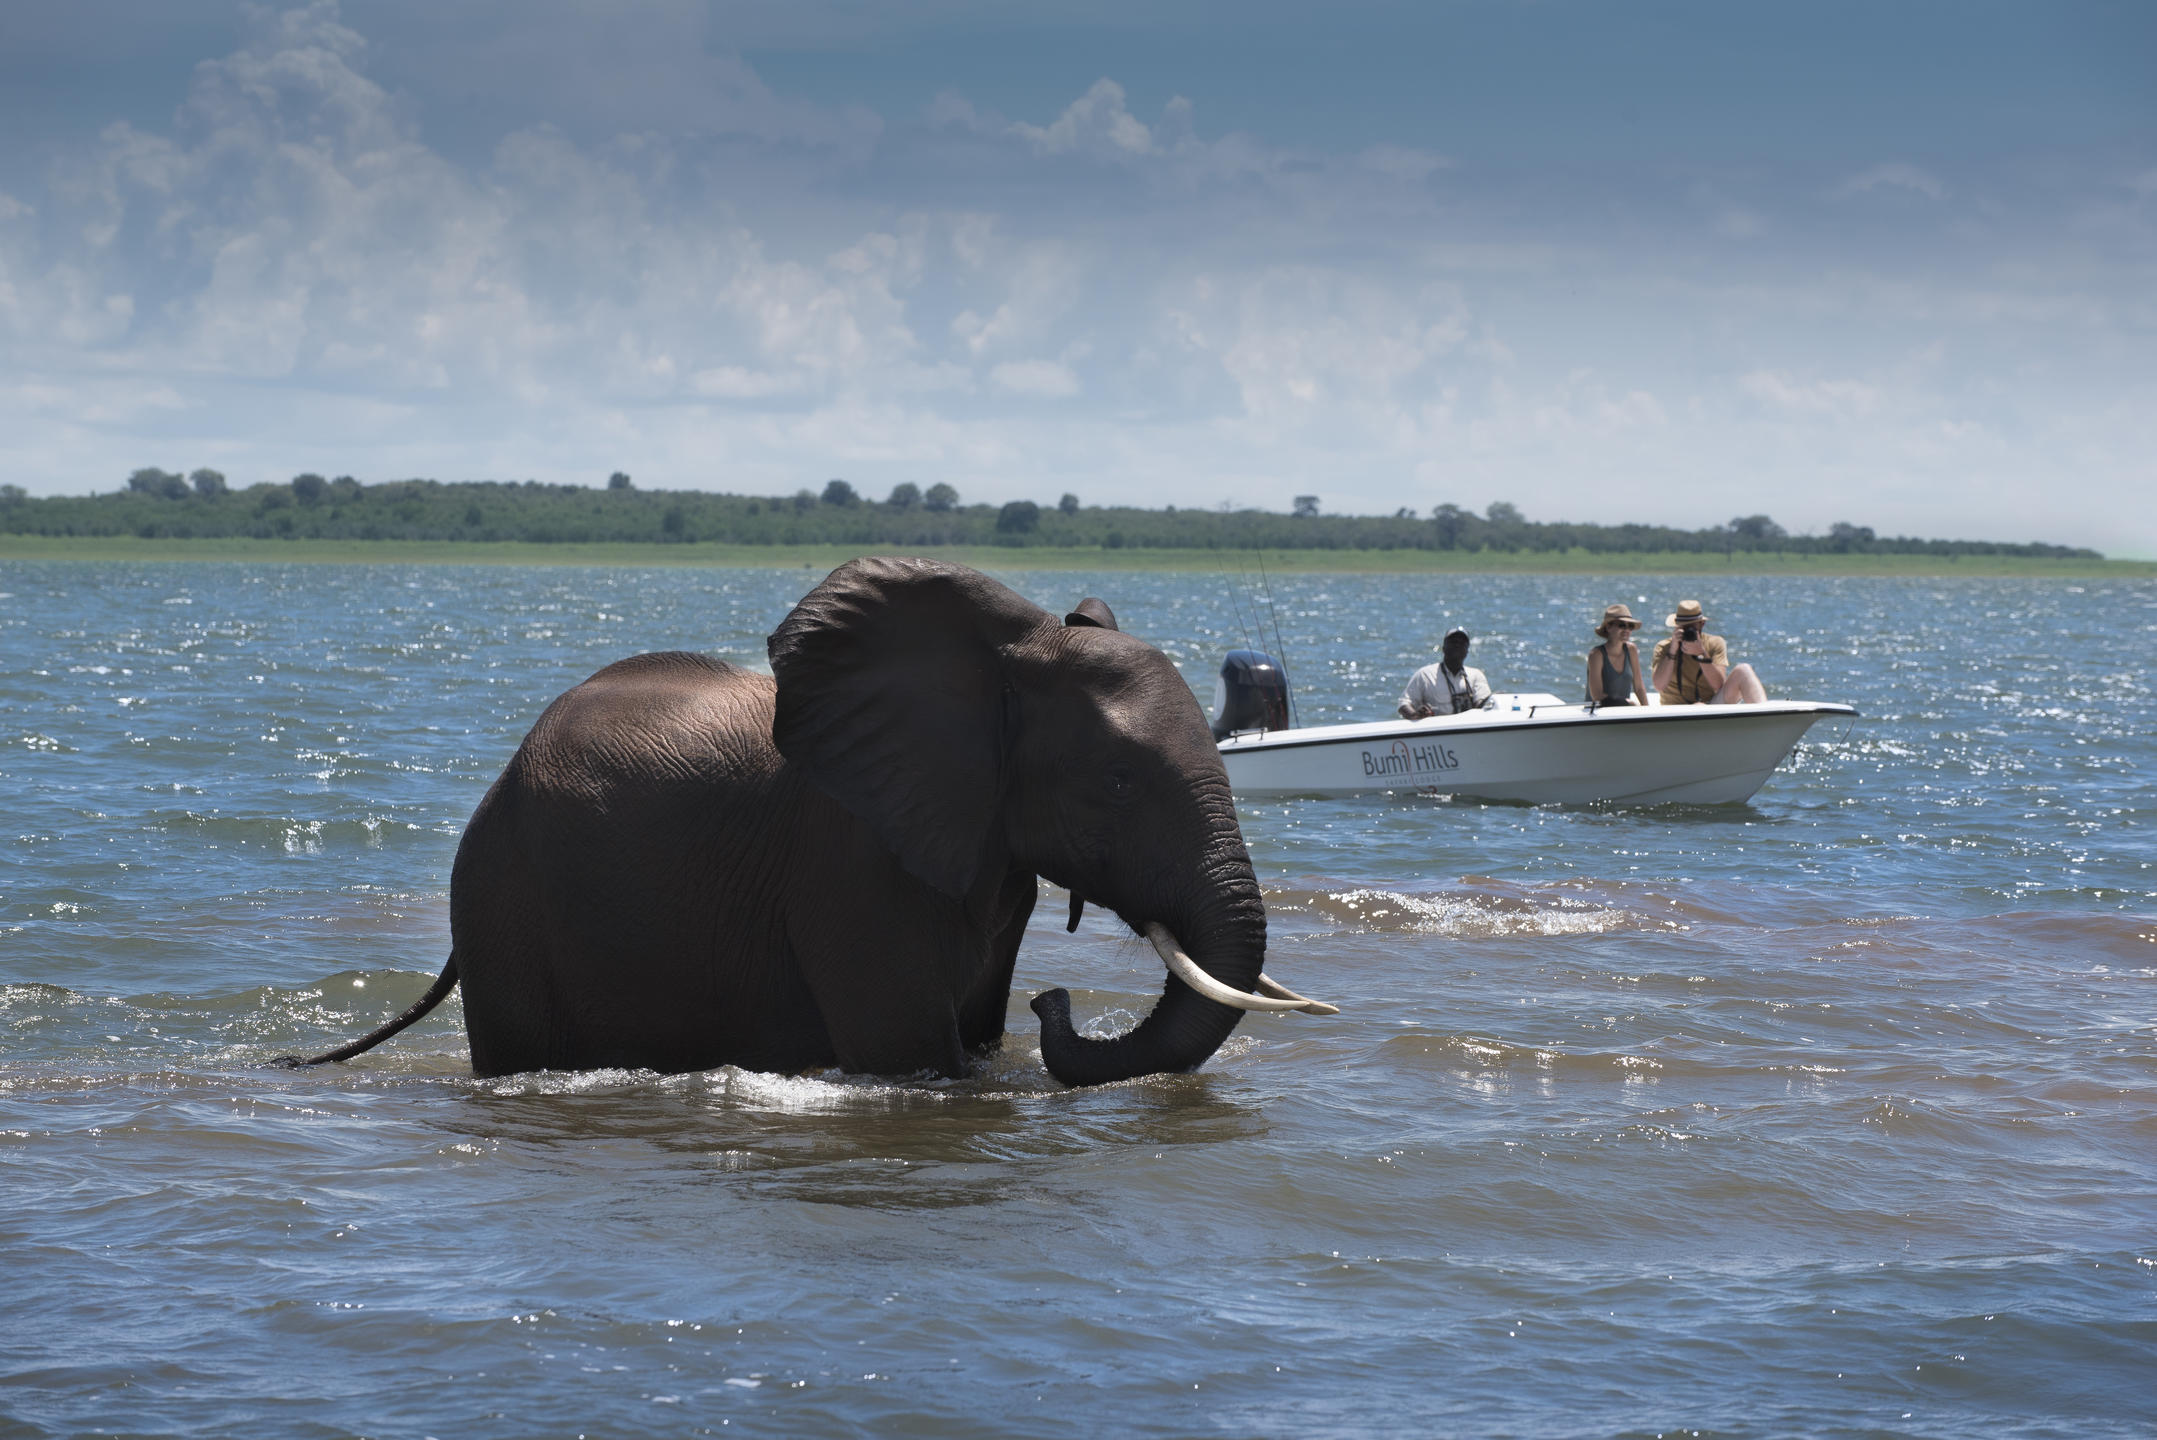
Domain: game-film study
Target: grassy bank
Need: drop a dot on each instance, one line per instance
(824, 557)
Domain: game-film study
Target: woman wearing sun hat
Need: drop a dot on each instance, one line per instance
(1693, 667)
(1614, 665)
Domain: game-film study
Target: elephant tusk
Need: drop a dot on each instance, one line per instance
(1267, 985)
(1184, 968)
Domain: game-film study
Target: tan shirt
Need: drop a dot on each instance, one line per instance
(1686, 686)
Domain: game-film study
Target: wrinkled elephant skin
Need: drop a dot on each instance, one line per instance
(688, 864)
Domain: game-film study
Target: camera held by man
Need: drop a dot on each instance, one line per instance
(1692, 666)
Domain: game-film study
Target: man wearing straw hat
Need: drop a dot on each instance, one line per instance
(1693, 667)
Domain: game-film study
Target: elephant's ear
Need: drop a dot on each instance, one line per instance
(892, 700)
(1092, 611)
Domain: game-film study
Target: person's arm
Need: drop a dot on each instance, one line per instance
(1412, 706)
(1640, 690)
(1478, 687)
(1666, 663)
(1595, 695)
(1714, 662)
(1712, 671)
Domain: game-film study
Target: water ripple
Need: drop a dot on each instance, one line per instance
(1832, 1113)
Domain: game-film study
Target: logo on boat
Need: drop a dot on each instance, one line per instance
(1402, 758)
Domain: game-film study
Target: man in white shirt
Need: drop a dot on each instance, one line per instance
(1448, 687)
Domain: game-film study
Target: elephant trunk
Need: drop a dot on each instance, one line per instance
(1228, 941)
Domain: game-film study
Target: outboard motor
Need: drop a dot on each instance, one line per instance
(1254, 694)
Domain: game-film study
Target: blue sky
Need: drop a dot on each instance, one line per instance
(1891, 264)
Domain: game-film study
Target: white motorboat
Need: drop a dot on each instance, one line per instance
(1533, 748)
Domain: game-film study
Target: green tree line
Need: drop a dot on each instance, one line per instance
(159, 503)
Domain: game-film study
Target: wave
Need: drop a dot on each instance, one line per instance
(1484, 1053)
(294, 835)
(1471, 915)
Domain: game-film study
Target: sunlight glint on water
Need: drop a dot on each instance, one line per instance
(1834, 1113)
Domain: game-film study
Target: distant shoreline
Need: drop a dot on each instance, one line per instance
(996, 557)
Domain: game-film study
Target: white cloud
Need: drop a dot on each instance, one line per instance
(1040, 284)
(1831, 398)
(1895, 176)
(1312, 349)
(733, 382)
(598, 71)
(1402, 163)
(1738, 224)
(1097, 124)
(1043, 378)
(713, 283)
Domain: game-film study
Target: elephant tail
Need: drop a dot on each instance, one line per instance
(436, 994)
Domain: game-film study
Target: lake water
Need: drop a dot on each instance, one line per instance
(1834, 1114)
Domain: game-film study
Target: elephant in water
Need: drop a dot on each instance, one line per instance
(688, 864)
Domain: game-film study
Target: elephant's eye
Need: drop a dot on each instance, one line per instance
(1119, 782)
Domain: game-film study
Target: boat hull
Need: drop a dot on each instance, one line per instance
(1537, 754)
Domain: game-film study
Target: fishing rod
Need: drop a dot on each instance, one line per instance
(1280, 646)
(1234, 604)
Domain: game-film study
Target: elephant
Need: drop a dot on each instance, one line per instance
(689, 864)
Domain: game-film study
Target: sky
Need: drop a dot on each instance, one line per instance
(1894, 265)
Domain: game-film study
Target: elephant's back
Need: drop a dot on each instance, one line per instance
(656, 719)
(652, 761)
(610, 891)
